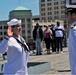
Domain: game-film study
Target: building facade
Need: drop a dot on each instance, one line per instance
(52, 10)
(25, 15)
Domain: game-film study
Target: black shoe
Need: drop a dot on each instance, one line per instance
(40, 53)
(37, 53)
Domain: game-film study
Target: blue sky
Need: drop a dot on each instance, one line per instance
(8, 5)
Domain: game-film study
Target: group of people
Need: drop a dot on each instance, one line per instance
(53, 37)
(18, 51)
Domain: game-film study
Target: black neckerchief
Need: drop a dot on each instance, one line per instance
(22, 43)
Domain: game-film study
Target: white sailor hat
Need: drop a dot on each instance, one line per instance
(13, 22)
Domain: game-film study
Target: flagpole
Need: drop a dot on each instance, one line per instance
(19, 2)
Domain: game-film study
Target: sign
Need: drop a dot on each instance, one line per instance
(72, 2)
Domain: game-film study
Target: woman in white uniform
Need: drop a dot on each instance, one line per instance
(71, 15)
(17, 58)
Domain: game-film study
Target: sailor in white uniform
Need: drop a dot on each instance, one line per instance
(17, 56)
(71, 16)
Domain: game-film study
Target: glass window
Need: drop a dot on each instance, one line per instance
(42, 0)
(0, 27)
(48, 0)
(23, 20)
(28, 19)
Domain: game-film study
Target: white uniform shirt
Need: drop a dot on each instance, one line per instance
(16, 57)
(58, 31)
(72, 48)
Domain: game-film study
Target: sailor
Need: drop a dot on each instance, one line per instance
(17, 58)
(71, 16)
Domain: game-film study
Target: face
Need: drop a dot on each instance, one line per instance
(17, 29)
(69, 17)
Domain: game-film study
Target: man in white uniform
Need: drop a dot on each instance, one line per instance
(71, 16)
(17, 58)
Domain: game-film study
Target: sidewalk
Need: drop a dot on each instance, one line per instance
(59, 62)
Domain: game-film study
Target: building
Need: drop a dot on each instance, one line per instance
(25, 15)
(52, 10)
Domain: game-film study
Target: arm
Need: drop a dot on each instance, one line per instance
(4, 46)
(4, 43)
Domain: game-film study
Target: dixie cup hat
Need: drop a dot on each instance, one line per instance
(13, 22)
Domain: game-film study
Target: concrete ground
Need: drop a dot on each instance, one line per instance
(59, 62)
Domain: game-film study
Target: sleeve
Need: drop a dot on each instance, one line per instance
(4, 46)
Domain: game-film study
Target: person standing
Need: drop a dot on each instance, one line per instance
(17, 55)
(59, 34)
(38, 37)
(53, 38)
(47, 38)
(71, 17)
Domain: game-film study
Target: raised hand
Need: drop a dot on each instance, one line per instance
(9, 31)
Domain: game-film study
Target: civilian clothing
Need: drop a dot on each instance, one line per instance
(59, 34)
(47, 39)
(38, 44)
(38, 37)
(59, 31)
(53, 40)
(35, 33)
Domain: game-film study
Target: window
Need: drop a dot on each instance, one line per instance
(49, 18)
(0, 27)
(42, 5)
(42, 0)
(28, 20)
(56, 8)
(1, 38)
(23, 25)
(56, 12)
(49, 8)
(29, 36)
(28, 31)
(48, 0)
(23, 20)
(63, 12)
(62, 7)
(48, 4)
(5, 33)
(62, 16)
(56, 17)
(5, 27)
(23, 31)
(49, 13)
(28, 25)
(0, 33)
(62, 2)
(55, 3)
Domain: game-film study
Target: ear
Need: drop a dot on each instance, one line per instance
(73, 15)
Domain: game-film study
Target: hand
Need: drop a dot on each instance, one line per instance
(9, 31)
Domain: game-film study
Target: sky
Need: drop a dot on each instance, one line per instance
(8, 5)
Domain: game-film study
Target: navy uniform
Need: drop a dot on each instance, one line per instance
(71, 9)
(17, 58)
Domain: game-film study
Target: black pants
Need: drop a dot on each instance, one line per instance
(47, 42)
(53, 45)
(58, 43)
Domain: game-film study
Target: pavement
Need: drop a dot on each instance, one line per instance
(59, 62)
